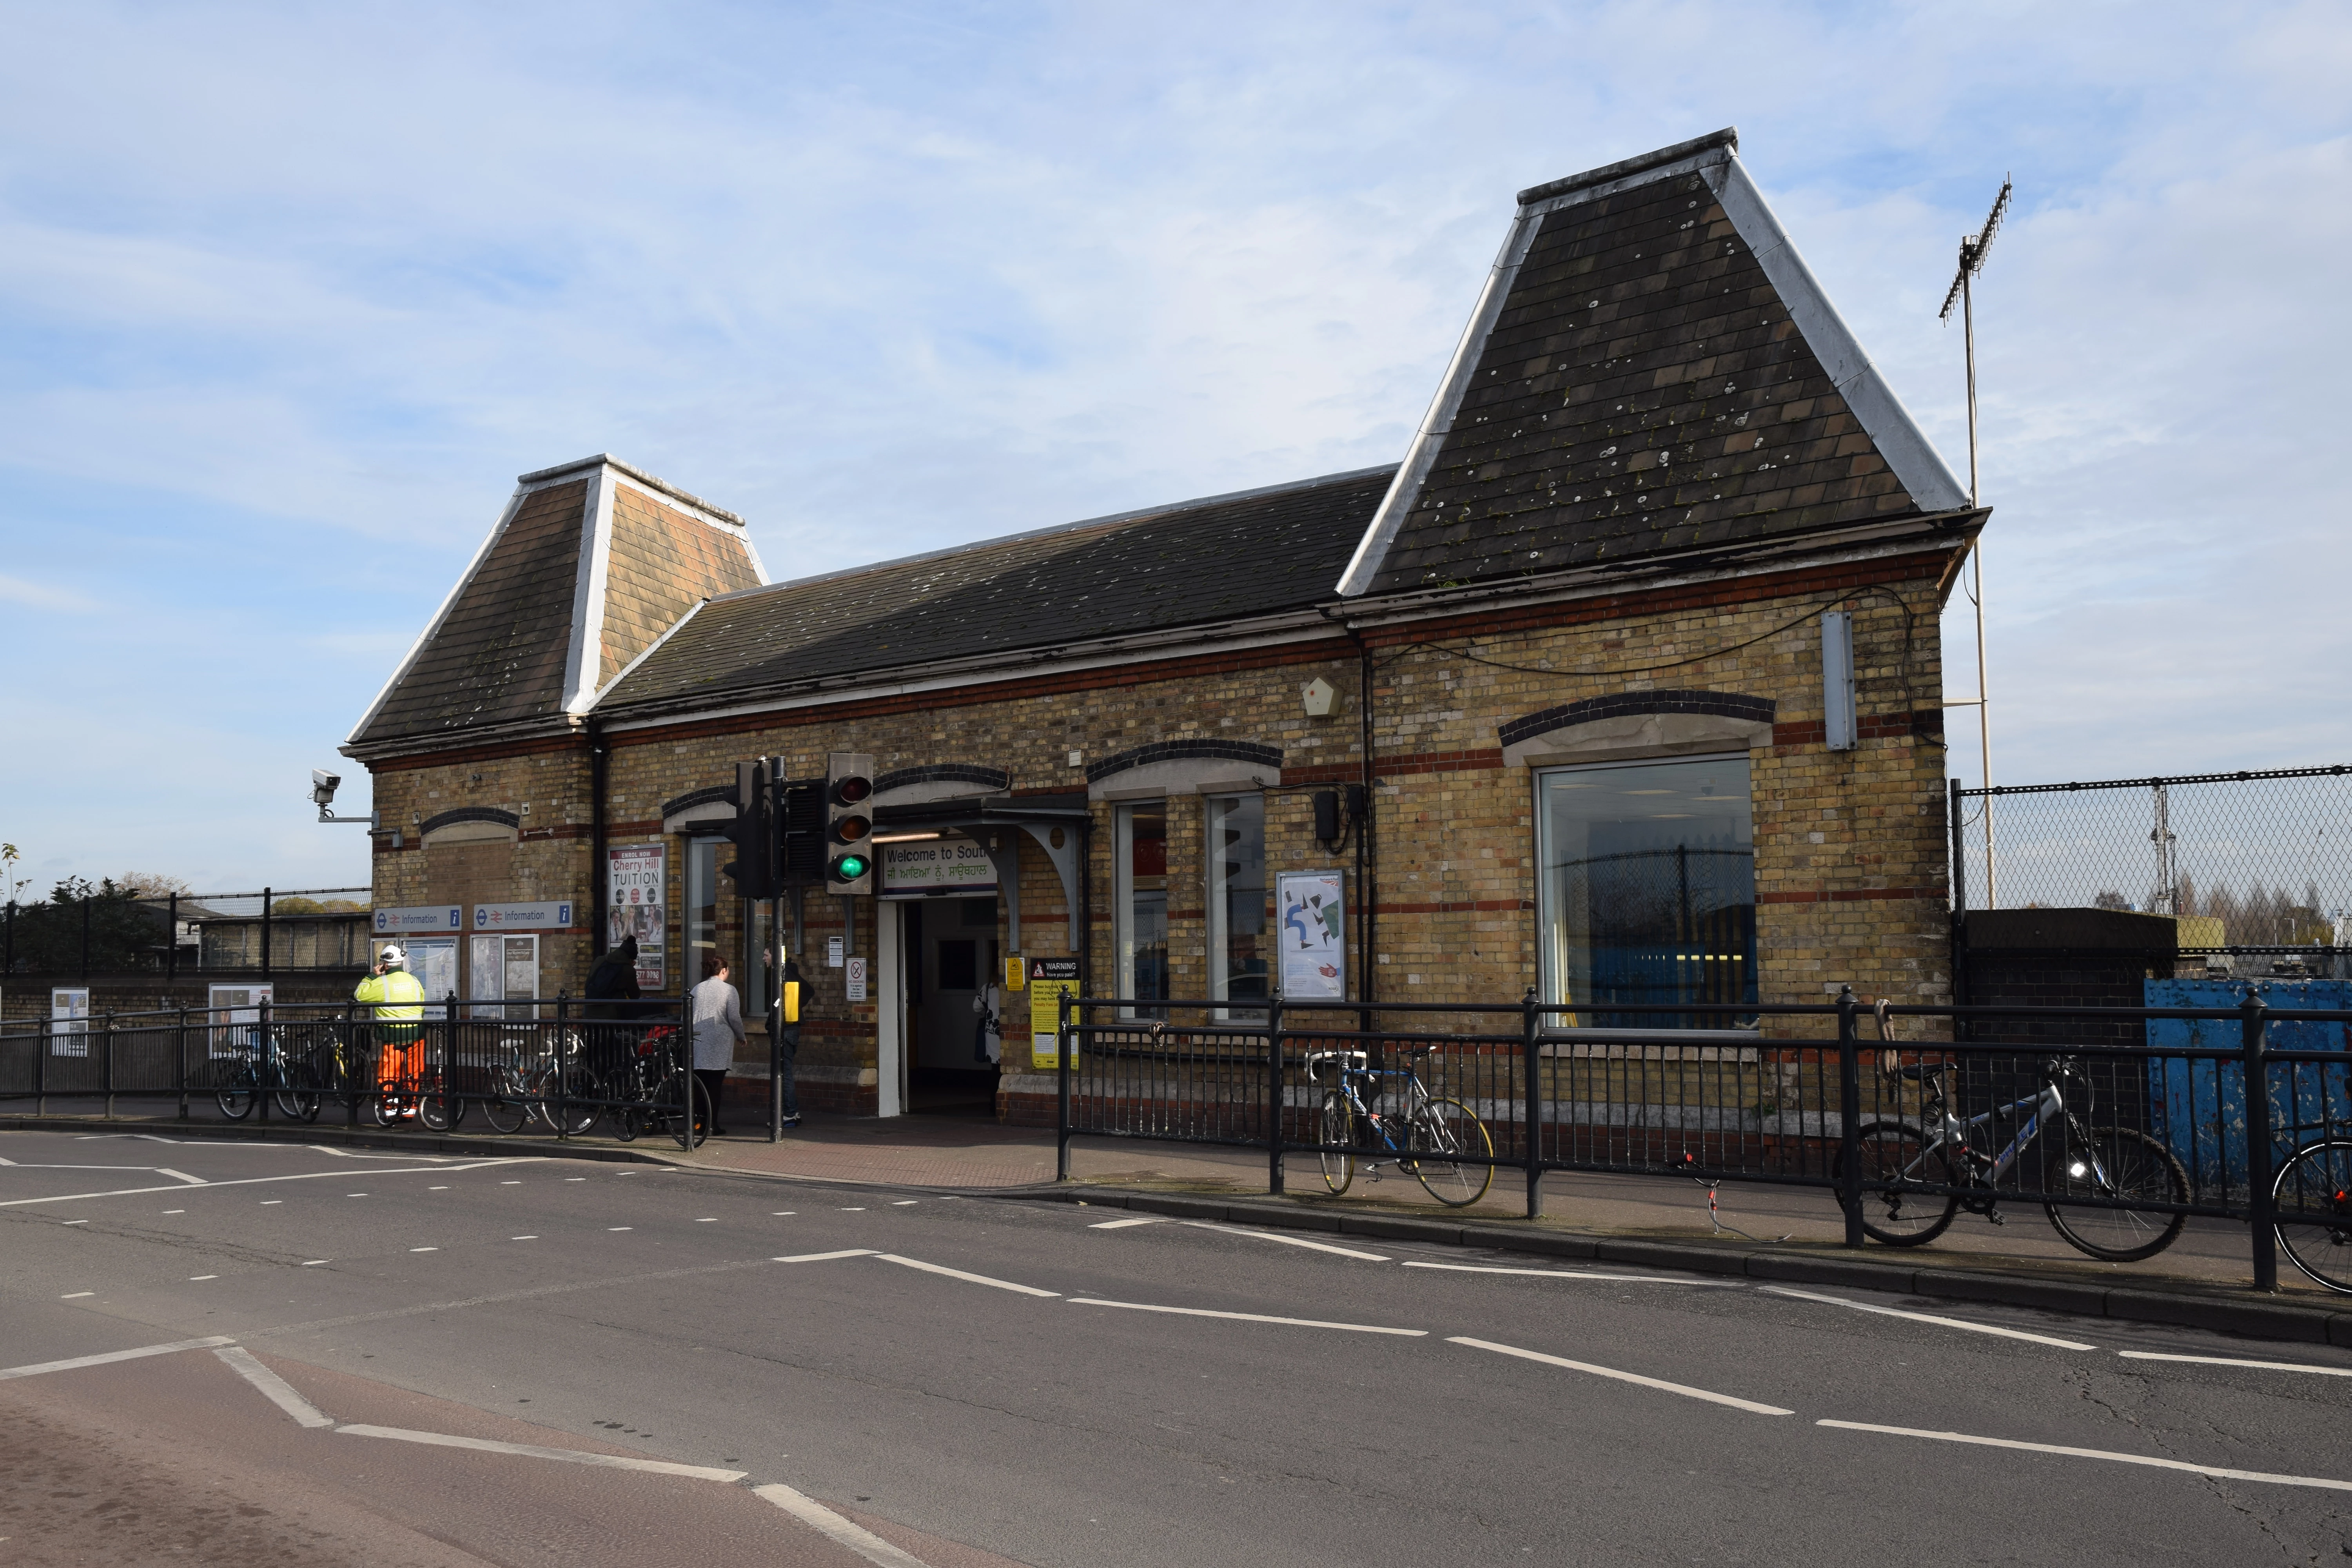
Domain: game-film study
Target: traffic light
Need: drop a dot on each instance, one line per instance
(799, 828)
(849, 823)
(753, 833)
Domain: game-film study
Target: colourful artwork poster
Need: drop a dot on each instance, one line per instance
(1312, 936)
(634, 898)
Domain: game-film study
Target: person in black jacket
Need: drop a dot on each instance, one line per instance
(614, 979)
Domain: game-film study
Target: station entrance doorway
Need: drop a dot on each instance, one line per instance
(938, 956)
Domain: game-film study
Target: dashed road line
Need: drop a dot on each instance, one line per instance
(1122, 1224)
(254, 1182)
(2214, 1471)
(1685, 1390)
(613, 1227)
(1251, 1318)
(827, 1257)
(198, 1279)
(77, 1295)
(1929, 1318)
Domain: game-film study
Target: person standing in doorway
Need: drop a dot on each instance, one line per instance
(718, 1030)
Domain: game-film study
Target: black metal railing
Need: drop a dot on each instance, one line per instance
(1813, 1095)
(563, 1068)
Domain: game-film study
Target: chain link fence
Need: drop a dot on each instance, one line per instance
(106, 930)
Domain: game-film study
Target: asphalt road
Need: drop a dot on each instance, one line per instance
(963, 1382)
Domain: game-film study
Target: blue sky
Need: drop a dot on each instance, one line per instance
(289, 294)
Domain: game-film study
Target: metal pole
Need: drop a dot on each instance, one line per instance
(1849, 1115)
(85, 938)
(1274, 1095)
(1062, 1090)
(1531, 1058)
(261, 1088)
(1976, 575)
(1956, 814)
(266, 902)
(106, 1066)
(183, 1038)
(2260, 1210)
(563, 1117)
(171, 941)
(353, 1057)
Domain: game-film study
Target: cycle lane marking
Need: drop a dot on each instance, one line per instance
(1251, 1318)
(2234, 1360)
(1284, 1240)
(532, 1451)
(2152, 1462)
(1577, 1274)
(942, 1268)
(823, 1520)
(258, 1181)
(1683, 1389)
(1124, 1224)
(1927, 1318)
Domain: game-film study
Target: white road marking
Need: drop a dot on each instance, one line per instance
(445, 1189)
(424, 1249)
(904, 1202)
(522, 1238)
(575, 1178)
(276, 1389)
(77, 1221)
(713, 1220)
(175, 1211)
(2232, 1361)
(815, 1514)
(528, 1451)
(267, 1201)
(1122, 1224)
(827, 1257)
(77, 1295)
(314, 1262)
(1251, 1318)
(193, 1278)
(852, 1211)
(354, 1195)
(182, 1175)
(959, 1274)
(258, 1181)
(1286, 1240)
(509, 1183)
(611, 1227)
(782, 1213)
(2215, 1471)
(80, 1361)
(1582, 1274)
(1930, 1318)
(1683, 1389)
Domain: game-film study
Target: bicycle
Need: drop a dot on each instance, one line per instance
(265, 1070)
(1918, 1174)
(1434, 1128)
(517, 1094)
(657, 1091)
(2311, 1206)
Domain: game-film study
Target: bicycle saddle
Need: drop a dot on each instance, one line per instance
(1924, 1071)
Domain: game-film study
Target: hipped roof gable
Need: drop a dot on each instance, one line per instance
(1651, 368)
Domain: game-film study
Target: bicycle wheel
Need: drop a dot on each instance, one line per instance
(298, 1096)
(509, 1106)
(1446, 1127)
(236, 1096)
(2314, 1198)
(1335, 1125)
(2118, 1163)
(386, 1103)
(437, 1106)
(573, 1117)
(1895, 1161)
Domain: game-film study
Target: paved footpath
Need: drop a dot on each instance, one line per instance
(343, 1356)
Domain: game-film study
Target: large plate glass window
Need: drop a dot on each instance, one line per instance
(1139, 861)
(1647, 892)
(702, 858)
(1238, 950)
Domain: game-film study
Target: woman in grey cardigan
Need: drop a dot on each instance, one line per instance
(718, 1015)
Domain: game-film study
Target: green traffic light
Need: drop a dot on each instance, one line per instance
(849, 868)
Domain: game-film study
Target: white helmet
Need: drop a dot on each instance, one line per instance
(390, 956)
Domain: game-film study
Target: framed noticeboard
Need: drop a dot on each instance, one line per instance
(1311, 933)
(1049, 980)
(70, 1021)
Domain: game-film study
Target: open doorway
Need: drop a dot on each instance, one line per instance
(948, 951)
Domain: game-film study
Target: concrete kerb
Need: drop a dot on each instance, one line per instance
(2269, 1320)
(2145, 1304)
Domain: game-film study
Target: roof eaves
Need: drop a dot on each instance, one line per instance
(1916, 464)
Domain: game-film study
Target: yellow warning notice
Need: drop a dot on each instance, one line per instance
(1049, 980)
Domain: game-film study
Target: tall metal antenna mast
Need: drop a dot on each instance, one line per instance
(1972, 259)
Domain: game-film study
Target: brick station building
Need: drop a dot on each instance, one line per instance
(1571, 653)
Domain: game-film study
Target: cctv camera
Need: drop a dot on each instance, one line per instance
(323, 784)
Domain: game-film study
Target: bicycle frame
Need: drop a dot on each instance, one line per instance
(2046, 1105)
(1352, 1079)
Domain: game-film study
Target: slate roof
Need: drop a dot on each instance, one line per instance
(1651, 369)
(1228, 557)
(589, 562)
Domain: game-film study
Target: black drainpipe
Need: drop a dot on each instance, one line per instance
(1367, 857)
(596, 875)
